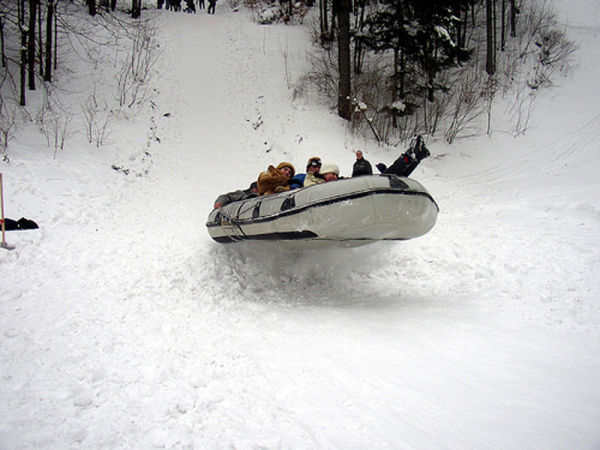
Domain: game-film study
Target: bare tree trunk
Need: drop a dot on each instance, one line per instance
(136, 9)
(31, 44)
(55, 42)
(345, 87)
(324, 20)
(462, 29)
(92, 7)
(23, 31)
(503, 27)
(395, 87)
(40, 40)
(490, 65)
(321, 17)
(513, 18)
(113, 5)
(3, 55)
(398, 87)
(358, 46)
(48, 52)
(334, 12)
(491, 91)
(359, 22)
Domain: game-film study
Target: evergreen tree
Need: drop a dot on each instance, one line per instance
(423, 39)
(436, 35)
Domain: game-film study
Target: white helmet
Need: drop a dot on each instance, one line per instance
(329, 168)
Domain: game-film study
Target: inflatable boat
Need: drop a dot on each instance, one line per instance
(347, 212)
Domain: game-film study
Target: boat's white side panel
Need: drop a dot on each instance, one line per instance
(351, 212)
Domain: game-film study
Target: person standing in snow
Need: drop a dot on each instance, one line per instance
(361, 166)
(190, 7)
(211, 7)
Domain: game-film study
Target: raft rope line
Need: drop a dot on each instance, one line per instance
(236, 222)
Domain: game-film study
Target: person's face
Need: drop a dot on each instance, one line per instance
(359, 154)
(287, 171)
(314, 167)
(330, 177)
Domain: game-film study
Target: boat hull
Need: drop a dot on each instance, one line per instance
(347, 212)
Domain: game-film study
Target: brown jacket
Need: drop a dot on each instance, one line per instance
(272, 181)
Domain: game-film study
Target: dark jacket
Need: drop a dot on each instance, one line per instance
(362, 167)
(234, 196)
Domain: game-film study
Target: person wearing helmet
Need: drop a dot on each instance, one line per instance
(330, 172)
(313, 168)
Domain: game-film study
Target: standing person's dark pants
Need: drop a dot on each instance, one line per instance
(211, 6)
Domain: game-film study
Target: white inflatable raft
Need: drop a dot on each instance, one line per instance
(347, 212)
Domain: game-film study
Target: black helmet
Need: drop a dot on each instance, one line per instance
(315, 161)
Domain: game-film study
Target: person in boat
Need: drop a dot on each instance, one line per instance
(361, 166)
(408, 161)
(234, 196)
(312, 174)
(330, 172)
(275, 179)
(313, 169)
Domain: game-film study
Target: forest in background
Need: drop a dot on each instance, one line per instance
(393, 69)
(42, 41)
(437, 67)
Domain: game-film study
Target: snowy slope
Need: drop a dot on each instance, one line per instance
(124, 326)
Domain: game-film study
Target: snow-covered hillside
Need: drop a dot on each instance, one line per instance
(124, 326)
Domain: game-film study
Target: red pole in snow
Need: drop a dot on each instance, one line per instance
(3, 244)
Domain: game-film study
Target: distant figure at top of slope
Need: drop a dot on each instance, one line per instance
(190, 7)
(211, 6)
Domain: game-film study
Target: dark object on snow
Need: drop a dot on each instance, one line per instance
(27, 224)
(10, 224)
(408, 161)
(211, 7)
(190, 7)
(21, 224)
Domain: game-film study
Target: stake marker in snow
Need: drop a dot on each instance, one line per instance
(3, 244)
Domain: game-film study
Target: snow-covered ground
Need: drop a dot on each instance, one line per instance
(124, 326)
